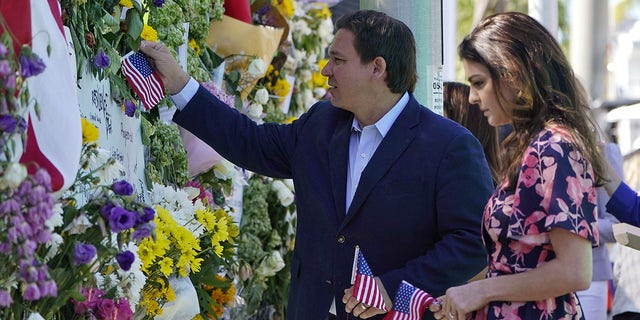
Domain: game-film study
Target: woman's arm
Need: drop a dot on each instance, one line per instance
(570, 271)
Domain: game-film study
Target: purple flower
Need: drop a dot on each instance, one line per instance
(31, 65)
(5, 298)
(105, 309)
(9, 206)
(158, 3)
(101, 60)
(125, 259)
(121, 219)
(124, 310)
(8, 123)
(141, 232)
(10, 82)
(31, 292)
(129, 108)
(43, 178)
(83, 253)
(5, 68)
(105, 211)
(122, 188)
(49, 289)
(148, 214)
(3, 50)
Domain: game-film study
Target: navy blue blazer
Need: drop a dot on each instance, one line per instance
(416, 213)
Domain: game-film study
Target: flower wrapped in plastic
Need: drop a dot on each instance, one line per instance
(192, 240)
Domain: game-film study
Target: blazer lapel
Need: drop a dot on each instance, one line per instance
(338, 161)
(394, 143)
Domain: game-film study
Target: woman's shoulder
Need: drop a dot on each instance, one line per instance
(554, 134)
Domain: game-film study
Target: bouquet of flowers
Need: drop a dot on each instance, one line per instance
(98, 226)
(190, 235)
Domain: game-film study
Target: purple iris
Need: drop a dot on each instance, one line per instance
(125, 259)
(31, 65)
(83, 253)
(122, 188)
(158, 3)
(101, 60)
(129, 108)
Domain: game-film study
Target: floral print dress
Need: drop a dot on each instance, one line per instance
(555, 189)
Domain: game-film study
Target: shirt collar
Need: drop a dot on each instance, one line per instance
(384, 124)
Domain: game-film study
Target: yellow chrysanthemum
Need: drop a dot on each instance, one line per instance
(149, 33)
(168, 293)
(280, 88)
(126, 3)
(166, 266)
(325, 12)
(285, 7)
(90, 132)
(193, 44)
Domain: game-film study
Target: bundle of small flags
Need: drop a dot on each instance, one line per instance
(410, 303)
(143, 79)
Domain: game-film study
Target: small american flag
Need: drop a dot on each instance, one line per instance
(365, 288)
(410, 303)
(143, 79)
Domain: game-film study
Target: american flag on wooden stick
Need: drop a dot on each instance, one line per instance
(143, 79)
(365, 288)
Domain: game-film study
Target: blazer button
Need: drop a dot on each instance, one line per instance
(341, 238)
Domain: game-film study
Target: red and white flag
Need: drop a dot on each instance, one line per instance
(365, 287)
(410, 303)
(143, 79)
(54, 139)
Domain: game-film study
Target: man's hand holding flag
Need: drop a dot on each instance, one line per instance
(365, 298)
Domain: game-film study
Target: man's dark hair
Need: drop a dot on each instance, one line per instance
(378, 35)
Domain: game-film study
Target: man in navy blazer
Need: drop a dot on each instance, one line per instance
(371, 168)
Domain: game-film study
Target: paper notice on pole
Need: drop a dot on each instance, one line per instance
(436, 91)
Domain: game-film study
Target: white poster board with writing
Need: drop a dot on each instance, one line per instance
(119, 133)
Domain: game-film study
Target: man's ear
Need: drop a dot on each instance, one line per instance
(379, 66)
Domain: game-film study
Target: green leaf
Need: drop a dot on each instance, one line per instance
(134, 23)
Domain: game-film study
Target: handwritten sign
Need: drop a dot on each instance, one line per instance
(119, 133)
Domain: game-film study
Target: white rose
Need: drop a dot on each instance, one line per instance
(224, 170)
(255, 111)
(13, 176)
(270, 265)
(262, 96)
(284, 193)
(257, 68)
